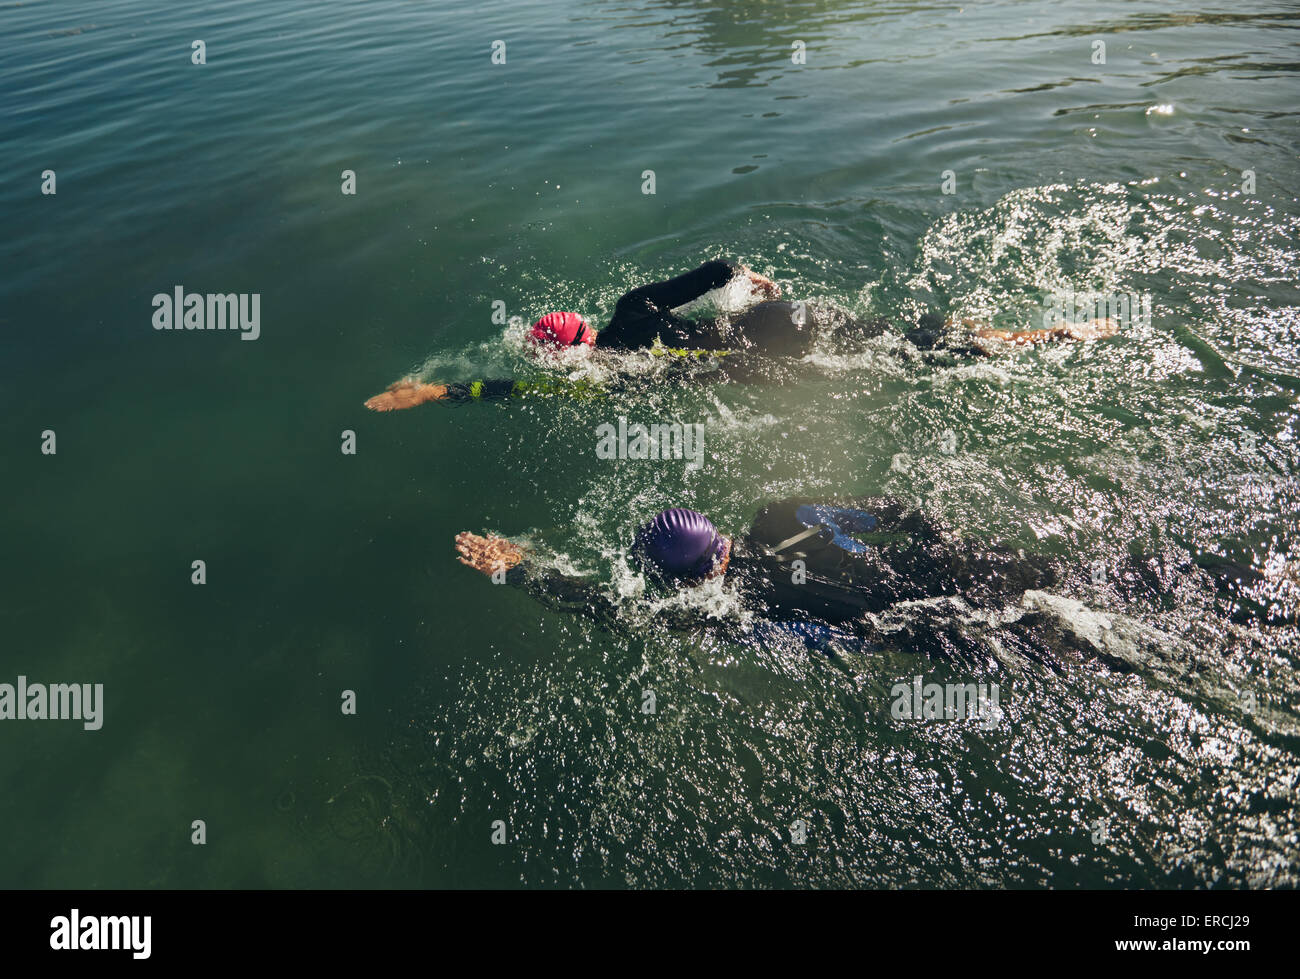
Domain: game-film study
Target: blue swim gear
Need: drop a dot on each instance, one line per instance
(842, 521)
(680, 544)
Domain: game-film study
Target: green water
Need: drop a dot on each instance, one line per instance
(522, 183)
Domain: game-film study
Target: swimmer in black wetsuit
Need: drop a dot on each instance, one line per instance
(644, 320)
(859, 557)
(820, 571)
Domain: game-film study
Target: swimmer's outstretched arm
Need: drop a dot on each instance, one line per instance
(407, 393)
(494, 555)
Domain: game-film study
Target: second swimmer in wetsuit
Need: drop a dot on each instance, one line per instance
(819, 570)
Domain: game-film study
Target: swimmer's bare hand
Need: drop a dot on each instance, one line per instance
(487, 554)
(406, 393)
(762, 283)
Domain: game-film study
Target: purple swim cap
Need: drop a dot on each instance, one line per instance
(681, 543)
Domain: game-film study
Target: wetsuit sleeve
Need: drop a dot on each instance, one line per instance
(935, 337)
(502, 389)
(561, 593)
(497, 390)
(685, 288)
(645, 313)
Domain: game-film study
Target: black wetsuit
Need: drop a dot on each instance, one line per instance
(931, 334)
(744, 344)
(775, 328)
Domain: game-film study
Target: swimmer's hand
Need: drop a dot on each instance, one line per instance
(762, 283)
(406, 393)
(487, 554)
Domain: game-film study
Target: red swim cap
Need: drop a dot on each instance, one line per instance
(563, 330)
